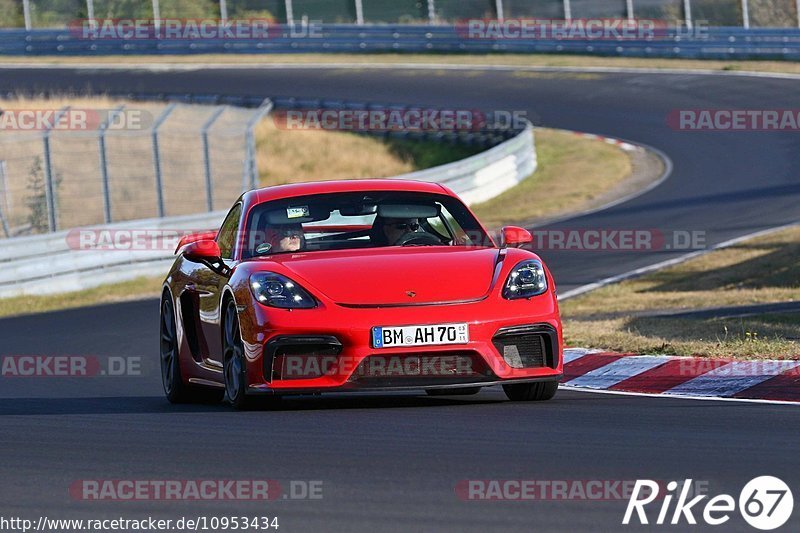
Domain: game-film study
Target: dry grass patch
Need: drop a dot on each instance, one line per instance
(572, 171)
(291, 156)
(758, 271)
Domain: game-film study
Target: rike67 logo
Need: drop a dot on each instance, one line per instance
(765, 503)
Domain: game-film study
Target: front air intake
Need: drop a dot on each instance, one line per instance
(528, 346)
(301, 357)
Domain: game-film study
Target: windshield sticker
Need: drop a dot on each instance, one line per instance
(297, 212)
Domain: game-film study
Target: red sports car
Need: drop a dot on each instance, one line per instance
(356, 286)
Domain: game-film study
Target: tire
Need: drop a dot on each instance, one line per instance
(531, 392)
(463, 391)
(175, 389)
(234, 367)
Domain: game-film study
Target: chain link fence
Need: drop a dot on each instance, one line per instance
(64, 168)
(60, 13)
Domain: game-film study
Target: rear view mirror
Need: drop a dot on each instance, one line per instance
(407, 211)
(359, 210)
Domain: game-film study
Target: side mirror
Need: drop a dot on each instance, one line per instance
(194, 237)
(515, 236)
(203, 251)
(206, 251)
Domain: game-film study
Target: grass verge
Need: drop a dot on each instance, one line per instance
(573, 170)
(519, 60)
(758, 271)
(291, 156)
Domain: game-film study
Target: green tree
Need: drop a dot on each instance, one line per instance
(56, 13)
(183, 9)
(189, 9)
(37, 196)
(11, 14)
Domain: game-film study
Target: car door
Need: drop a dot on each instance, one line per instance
(210, 285)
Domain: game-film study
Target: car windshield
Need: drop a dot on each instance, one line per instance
(343, 221)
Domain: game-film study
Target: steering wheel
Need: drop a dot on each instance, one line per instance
(414, 238)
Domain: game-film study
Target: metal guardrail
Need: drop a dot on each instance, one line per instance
(488, 174)
(711, 43)
(51, 263)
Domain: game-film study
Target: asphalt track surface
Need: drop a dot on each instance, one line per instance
(392, 463)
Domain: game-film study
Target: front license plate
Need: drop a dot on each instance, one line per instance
(429, 335)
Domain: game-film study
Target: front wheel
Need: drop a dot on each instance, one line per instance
(234, 368)
(531, 392)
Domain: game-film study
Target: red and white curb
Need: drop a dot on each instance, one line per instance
(628, 147)
(623, 145)
(682, 376)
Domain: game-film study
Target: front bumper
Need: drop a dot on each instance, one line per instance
(306, 351)
(348, 387)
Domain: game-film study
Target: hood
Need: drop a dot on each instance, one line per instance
(395, 276)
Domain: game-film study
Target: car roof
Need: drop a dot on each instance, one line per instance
(291, 190)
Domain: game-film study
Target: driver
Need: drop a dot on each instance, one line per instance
(292, 238)
(288, 238)
(395, 228)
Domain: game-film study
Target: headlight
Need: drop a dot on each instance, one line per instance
(279, 291)
(526, 279)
